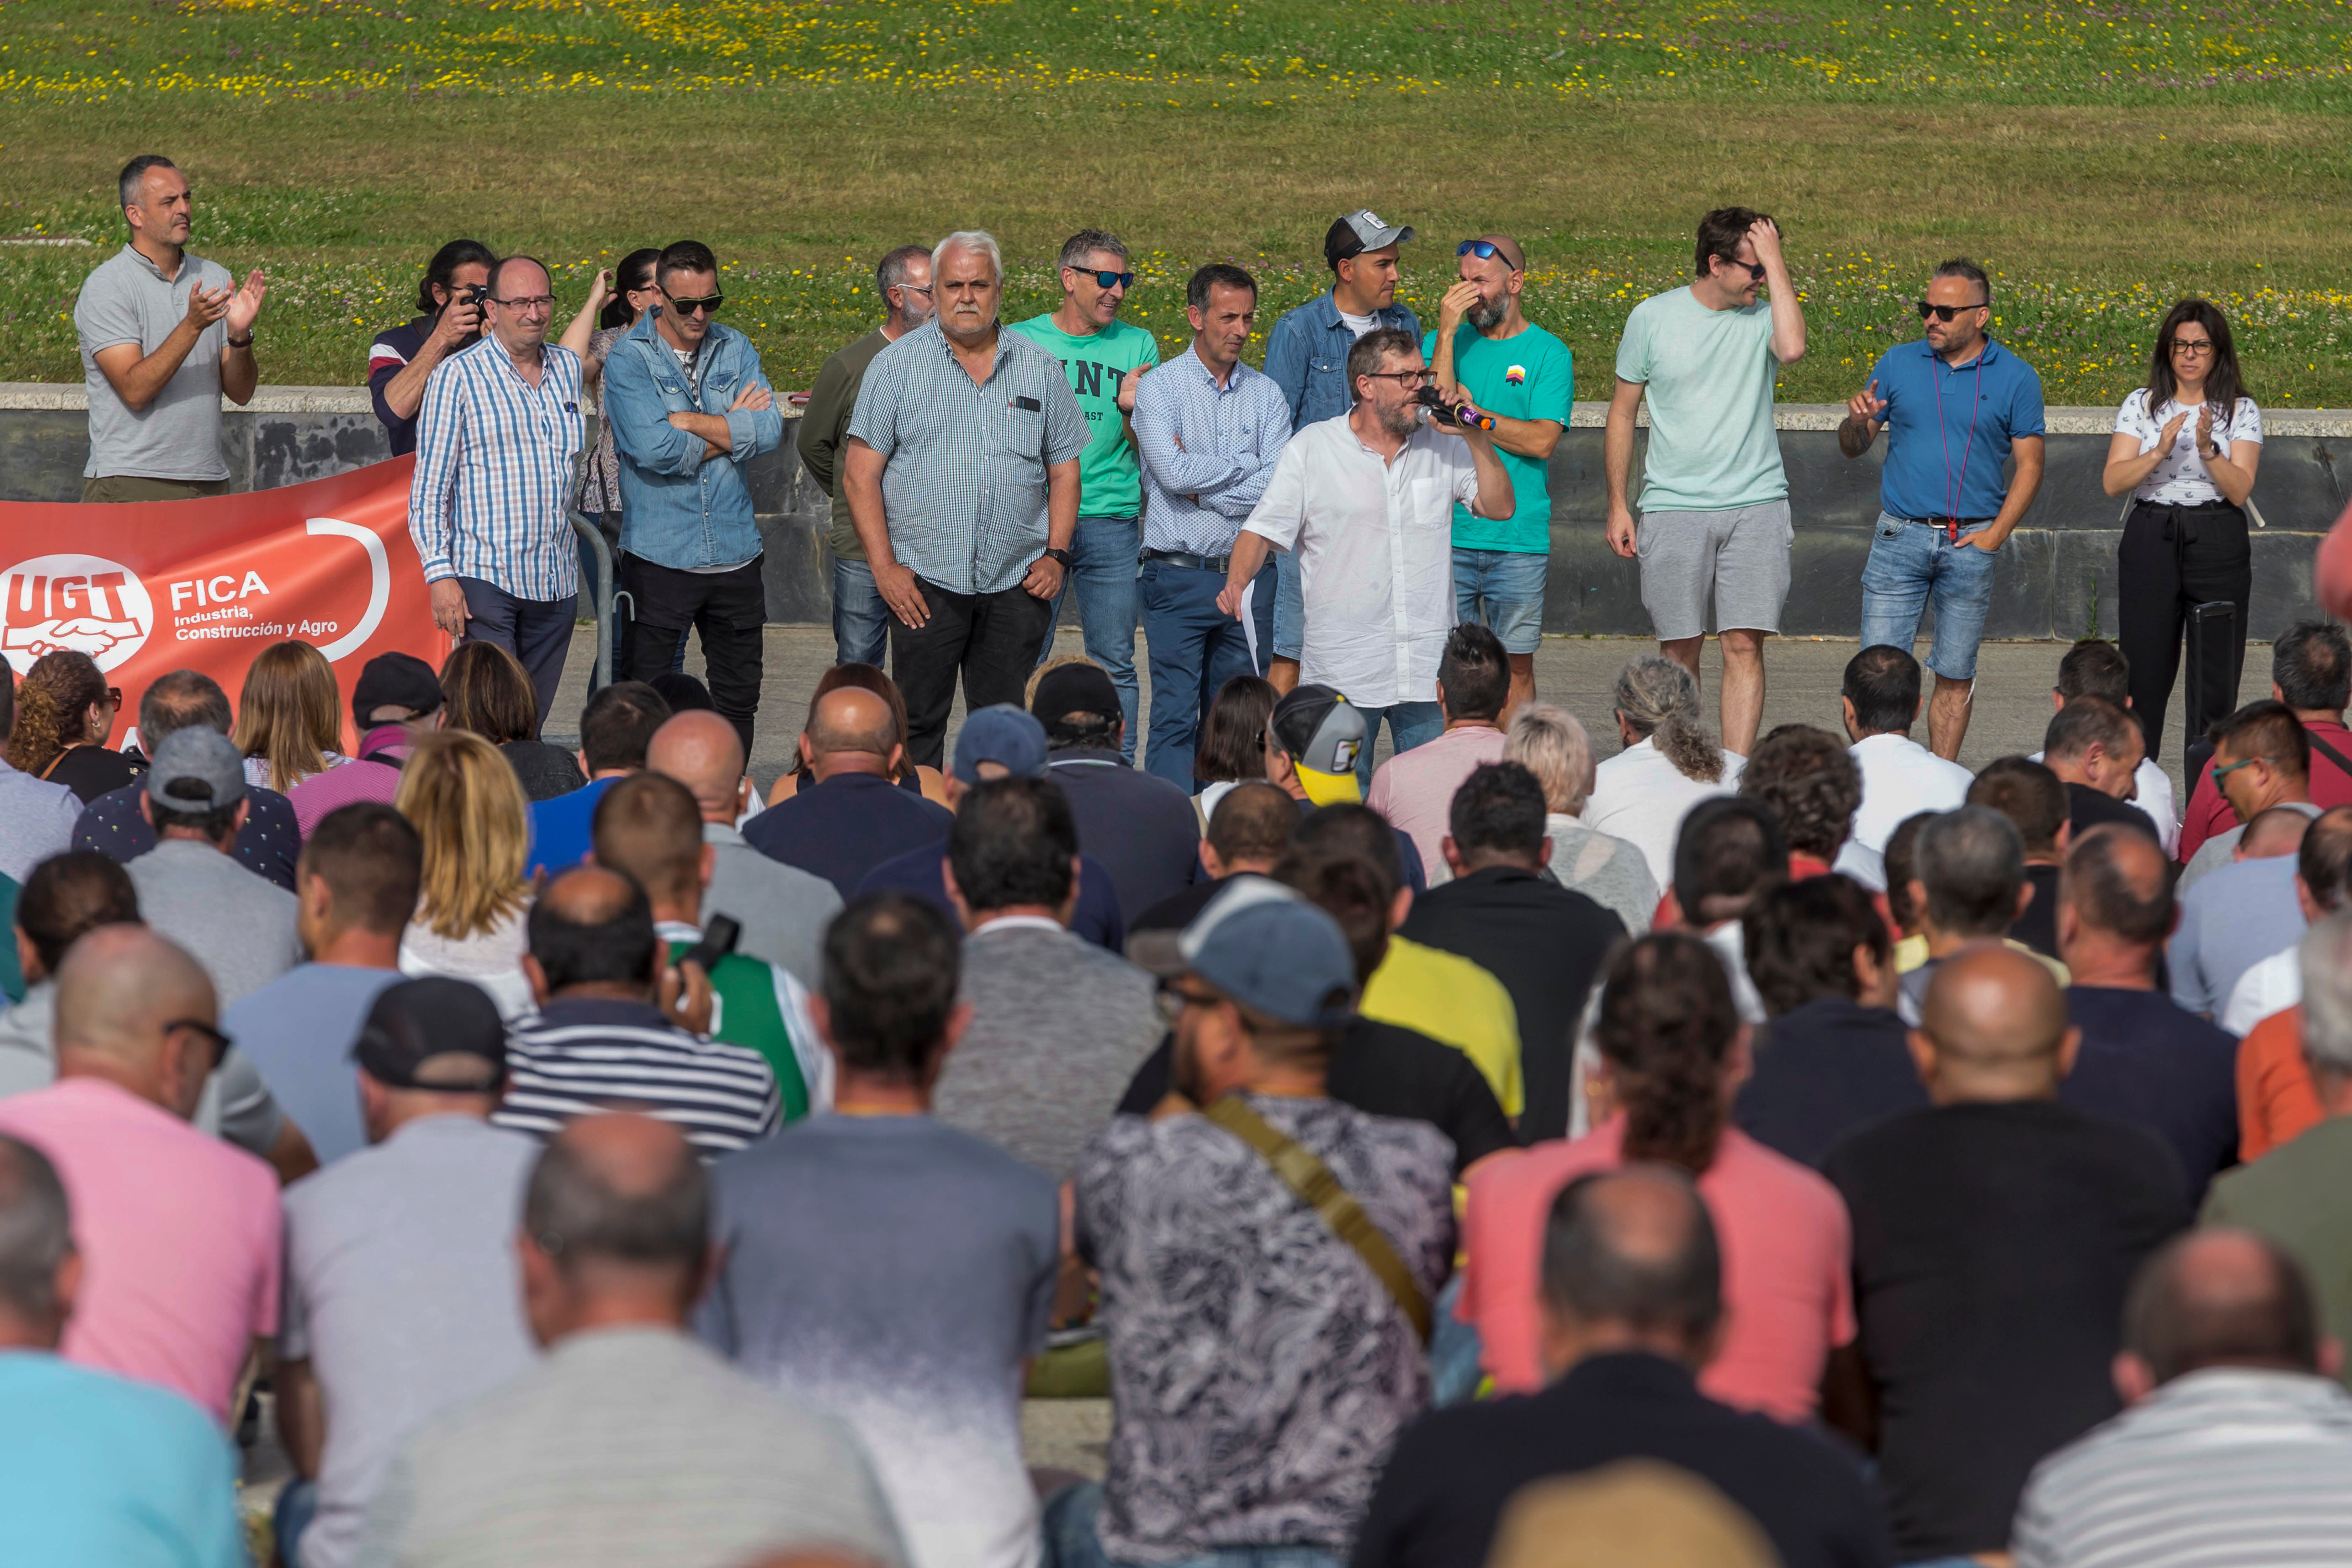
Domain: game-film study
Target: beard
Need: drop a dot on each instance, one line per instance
(1402, 420)
(1488, 314)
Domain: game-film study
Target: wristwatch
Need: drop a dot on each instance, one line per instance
(244, 342)
(1058, 557)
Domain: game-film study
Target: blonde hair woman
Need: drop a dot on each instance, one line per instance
(290, 717)
(468, 806)
(65, 711)
(1550, 743)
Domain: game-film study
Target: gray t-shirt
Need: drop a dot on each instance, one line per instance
(2221, 849)
(37, 821)
(127, 300)
(896, 1272)
(784, 910)
(403, 1293)
(297, 1031)
(239, 927)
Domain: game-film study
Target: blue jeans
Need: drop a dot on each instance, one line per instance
(1411, 724)
(1072, 1540)
(1289, 606)
(298, 1505)
(1195, 649)
(1913, 563)
(1102, 568)
(1502, 590)
(861, 621)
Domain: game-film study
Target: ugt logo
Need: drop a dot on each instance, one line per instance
(85, 603)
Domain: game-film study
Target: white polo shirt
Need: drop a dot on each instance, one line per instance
(1374, 540)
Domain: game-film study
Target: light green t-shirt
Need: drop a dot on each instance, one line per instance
(1710, 375)
(1109, 483)
(1530, 377)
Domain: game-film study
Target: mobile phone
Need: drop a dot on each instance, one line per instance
(718, 940)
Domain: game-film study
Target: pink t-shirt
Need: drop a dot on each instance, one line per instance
(180, 1238)
(1787, 1288)
(1414, 790)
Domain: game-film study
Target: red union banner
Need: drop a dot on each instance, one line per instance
(149, 587)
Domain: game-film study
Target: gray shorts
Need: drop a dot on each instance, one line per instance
(1742, 555)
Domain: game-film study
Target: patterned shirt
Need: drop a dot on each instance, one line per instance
(494, 461)
(1207, 451)
(964, 488)
(575, 1058)
(1261, 1372)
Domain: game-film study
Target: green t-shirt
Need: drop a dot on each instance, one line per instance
(749, 1011)
(1531, 376)
(1109, 483)
(1710, 375)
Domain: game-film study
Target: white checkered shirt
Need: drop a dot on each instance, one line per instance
(494, 458)
(1207, 452)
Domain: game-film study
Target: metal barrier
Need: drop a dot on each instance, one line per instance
(601, 595)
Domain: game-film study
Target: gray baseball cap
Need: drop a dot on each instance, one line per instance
(197, 768)
(1003, 734)
(1360, 231)
(1264, 946)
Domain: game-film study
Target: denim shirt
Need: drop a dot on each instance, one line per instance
(1306, 356)
(677, 509)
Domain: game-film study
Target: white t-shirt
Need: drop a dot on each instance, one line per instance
(1360, 325)
(2180, 480)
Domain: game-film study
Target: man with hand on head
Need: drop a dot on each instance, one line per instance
(783, 910)
(115, 824)
(1366, 502)
(1715, 497)
(968, 551)
(1106, 359)
(164, 337)
(488, 506)
(1946, 506)
(402, 1293)
(1142, 828)
(851, 817)
(402, 358)
(1207, 431)
(629, 1444)
(902, 282)
(1526, 379)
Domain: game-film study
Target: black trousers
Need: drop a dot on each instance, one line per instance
(2173, 557)
(729, 609)
(991, 639)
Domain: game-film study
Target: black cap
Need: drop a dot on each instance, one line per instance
(394, 681)
(1077, 688)
(436, 1033)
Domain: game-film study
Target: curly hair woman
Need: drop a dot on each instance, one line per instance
(65, 711)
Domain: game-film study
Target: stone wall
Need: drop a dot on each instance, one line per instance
(2057, 576)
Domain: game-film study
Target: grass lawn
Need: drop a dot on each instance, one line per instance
(2103, 159)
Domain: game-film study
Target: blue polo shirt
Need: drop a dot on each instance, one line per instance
(1934, 453)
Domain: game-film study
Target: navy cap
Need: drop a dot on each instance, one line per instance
(1001, 734)
(436, 1033)
(1265, 946)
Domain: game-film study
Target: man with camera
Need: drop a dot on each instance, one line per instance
(1366, 505)
(401, 360)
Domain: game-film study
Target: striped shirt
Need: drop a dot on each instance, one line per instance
(2225, 1467)
(1207, 451)
(581, 1056)
(963, 487)
(493, 482)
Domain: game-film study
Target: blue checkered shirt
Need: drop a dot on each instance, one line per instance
(964, 481)
(1207, 451)
(493, 483)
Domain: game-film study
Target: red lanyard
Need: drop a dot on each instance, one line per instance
(1955, 489)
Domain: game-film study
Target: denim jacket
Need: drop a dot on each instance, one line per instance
(1306, 356)
(677, 509)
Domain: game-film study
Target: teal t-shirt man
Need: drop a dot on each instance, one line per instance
(1529, 376)
(1109, 483)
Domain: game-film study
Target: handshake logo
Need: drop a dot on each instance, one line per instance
(85, 603)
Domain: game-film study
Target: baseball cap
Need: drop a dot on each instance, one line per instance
(1266, 947)
(198, 769)
(394, 681)
(1358, 232)
(1323, 733)
(1003, 734)
(1075, 688)
(435, 1033)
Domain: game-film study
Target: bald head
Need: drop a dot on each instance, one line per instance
(2221, 1298)
(2117, 883)
(1630, 1257)
(592, 927)
(851, 729)
(588, 895)
(2273, 832)
(616, 1226)
(119, 991)
(1993, 1028)
(702, 751)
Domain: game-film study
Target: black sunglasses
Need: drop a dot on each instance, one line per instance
(219, 1042)
(1755, 268)
(1945, 313)
(1104, 279)
(708, 306)
(1486, 250)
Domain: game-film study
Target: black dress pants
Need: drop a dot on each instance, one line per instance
(729, 609)
(991, 639)
(2173, 557)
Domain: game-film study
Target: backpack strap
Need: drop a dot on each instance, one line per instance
(1314, 1184)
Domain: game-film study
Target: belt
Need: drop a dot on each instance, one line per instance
(1947, 522)
(1218, 564)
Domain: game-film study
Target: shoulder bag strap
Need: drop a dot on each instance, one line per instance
(1312, 1181)
(2343, 763)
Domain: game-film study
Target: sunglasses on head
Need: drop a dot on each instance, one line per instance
(1107, 279)
(707, 306)
(1486, 250)
(1945, 313)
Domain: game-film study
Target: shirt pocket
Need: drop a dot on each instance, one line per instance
(1332, 366)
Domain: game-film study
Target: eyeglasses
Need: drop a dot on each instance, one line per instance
(526, 304)
(707, 306)
(1174, 999)
(1407, 379)
(2224, 770)
(1755, 268)
(1107, 279)
(1486, 250)
(913, 288)
(1945, 313)
(114, 696)
(2190, 345)
(219, 1042)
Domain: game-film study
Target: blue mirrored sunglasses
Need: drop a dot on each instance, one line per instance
(1485, 250)
(1104, 279)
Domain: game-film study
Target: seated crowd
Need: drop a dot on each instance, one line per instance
(1822, 1156)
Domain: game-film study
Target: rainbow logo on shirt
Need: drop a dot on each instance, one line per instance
(1516, 375)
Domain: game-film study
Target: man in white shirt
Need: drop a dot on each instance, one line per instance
(2097, 667)
(1367, 502)
(1899, 776)
(2323, 880)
